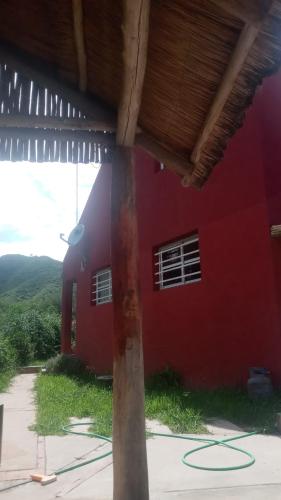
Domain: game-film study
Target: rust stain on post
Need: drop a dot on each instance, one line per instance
(127, 309)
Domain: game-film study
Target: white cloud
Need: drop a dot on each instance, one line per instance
(37, 203)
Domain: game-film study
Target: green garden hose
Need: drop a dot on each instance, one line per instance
(208, 443)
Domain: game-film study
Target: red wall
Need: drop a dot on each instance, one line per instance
(210, 331)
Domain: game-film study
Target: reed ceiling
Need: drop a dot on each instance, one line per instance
(190, 47)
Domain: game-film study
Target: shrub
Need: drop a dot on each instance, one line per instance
(8, 354)
(44, 330)
(22, 345)
(65, 363)
(165, 380)
(32, 333)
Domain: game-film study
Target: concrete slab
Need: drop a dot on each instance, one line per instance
(169, 478)
(221, 426)
(250, 492)
(21, 447)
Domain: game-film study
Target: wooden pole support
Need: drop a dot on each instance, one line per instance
(1, 429)
(129, 443)
(77, 9)
(66, 306)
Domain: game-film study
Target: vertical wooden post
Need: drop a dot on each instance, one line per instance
(1, 429)
(129, 443)
(66, 309)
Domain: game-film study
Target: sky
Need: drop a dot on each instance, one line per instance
(38, 202)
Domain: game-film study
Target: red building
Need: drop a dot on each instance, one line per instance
(210, 269)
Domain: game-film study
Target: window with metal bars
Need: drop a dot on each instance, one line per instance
(101, 287)
(178, 263)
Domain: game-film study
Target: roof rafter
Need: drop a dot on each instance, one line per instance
(245, 42)
(77, 9)
(249, 11)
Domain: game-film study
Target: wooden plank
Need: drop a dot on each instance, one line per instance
(53, 135)
(36, 71)
(26, 121)
(77, 10)
(135, 32)
(245, 42)
(249, 11)
(129, 445)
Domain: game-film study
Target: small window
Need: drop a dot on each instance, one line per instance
(101, 287)
(178, 263)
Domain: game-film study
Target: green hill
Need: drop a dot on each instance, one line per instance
(30, 279)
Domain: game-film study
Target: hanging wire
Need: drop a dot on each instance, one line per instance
(76, 187)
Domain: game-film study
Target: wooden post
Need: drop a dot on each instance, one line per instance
(66, 306)
(129, 443)
(1, 429)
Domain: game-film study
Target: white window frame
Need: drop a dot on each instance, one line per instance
(101, 283)
(183, 260)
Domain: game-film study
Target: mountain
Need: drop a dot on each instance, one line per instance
(30, 279)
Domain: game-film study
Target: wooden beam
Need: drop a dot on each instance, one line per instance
(174, 162)
(30, 121)
(91, 107)
(135, 32)
(129, 441)
(77, 9)
(245, 42)
(52, 135)
(249, 11)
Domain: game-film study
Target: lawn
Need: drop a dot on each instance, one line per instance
(60, 397)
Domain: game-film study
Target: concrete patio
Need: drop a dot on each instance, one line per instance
(23, 453)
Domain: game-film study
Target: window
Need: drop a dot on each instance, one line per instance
(178, 263)
(101, 287)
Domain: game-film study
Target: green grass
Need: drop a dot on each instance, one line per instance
(60, 397)
(5, 379)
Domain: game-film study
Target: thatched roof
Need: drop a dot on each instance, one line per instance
(191, 46)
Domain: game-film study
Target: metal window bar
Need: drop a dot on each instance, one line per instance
(177, 245)
(95, 292)
(103, 279)
(179, 277)
(186, 263)
(176, 256)
(177, 262)
(173, 285)
(103, 284)
(103, 300)
(101, 289)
